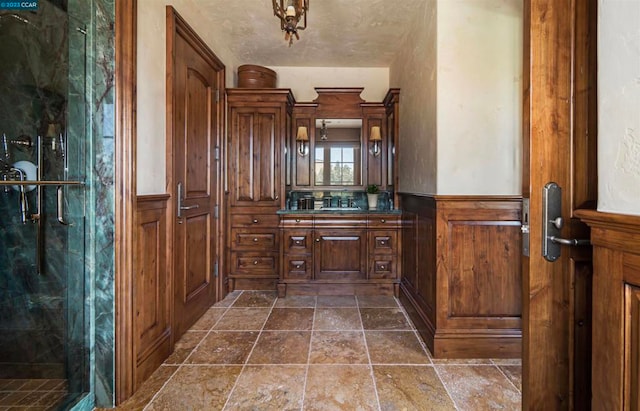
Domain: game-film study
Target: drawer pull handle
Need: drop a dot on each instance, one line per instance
(255, 221)
(255, 262)
(297, 220)
(382, 220)
(255, 240)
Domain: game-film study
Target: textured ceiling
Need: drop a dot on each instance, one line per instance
(340, 33)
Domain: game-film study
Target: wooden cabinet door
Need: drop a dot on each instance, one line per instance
(340, 254)
(254, 159)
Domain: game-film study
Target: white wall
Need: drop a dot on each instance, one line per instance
(479, 96)
(619, 106)
(151, 87)
(414, 72)
(302, 80)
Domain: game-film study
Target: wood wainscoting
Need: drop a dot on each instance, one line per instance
(151, 288)
(461, 276)
(616, 310)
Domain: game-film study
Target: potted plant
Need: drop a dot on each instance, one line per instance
(372, 196)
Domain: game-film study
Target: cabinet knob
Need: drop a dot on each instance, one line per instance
(298, 242)
(317, 240)
(277, 197)
(255, 262)
(298, 266)
(382, 220)
(255, 221)
(297, 220)
(382, 242)
(255, 240)
(382, 267)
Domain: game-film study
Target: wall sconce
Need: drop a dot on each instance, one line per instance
(303, 141)
(375, 137)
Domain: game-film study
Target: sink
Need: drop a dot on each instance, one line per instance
(341, 209)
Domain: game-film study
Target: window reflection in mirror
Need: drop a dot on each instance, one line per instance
(338, 152)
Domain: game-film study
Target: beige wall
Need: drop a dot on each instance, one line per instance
(479, 96)
(414, 72)
(151, 87)
(302, 80)
(460, 103)
(619, 106)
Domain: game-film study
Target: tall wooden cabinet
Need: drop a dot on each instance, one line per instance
(259, 124)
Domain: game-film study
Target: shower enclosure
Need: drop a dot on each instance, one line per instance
(45, 144)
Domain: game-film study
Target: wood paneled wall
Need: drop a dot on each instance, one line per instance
(461, 277)
(616, 310)
(151, 287)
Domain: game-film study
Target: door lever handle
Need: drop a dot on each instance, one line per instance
(179, 200)
(575, 242)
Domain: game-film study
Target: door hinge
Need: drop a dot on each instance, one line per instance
(217, 154)
(215, 270)
(216, 211)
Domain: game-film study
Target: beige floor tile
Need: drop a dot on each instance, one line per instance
(377, 301)
(296, 301)
(268, 387)
(209, 319)
(339, 387)
(336, 301)
(229, 299)
(479, 387)
(290, 319)
(410, 387)
(148, 389)
(395, 347)
(331, 319)
(224, 347)
(338, 347)
(184, 346)
(237, 319)
(264, 299)
(462, 361)
(384, 319)
(514, 374)
(281, 347)
(197, 388)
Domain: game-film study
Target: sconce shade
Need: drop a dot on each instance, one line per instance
(302, 134)
(375, 134)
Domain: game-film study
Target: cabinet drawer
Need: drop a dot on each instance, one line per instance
(298, 242)
(382, 267)
(340, 221)
(255, 220)
(293, 221)
(382, 242)
(297, 268)
(254, 263)
(384, 221)
(254, 240)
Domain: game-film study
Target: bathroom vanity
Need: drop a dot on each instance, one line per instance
(297, 216)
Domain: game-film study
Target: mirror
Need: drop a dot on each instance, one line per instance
(338, 152)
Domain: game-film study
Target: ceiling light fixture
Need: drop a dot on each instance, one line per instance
(290, 16)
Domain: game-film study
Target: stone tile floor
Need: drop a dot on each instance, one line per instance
(33, 394)
(254, 351)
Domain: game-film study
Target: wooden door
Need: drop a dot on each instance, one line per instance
(194, 80)
(340, 254)
(255, 156)
(560, 131)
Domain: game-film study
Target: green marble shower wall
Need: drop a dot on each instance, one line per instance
(59, 322)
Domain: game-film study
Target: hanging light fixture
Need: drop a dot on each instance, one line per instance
(323, 131)
(290, 16)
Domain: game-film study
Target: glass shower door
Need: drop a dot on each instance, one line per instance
(43, 318)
